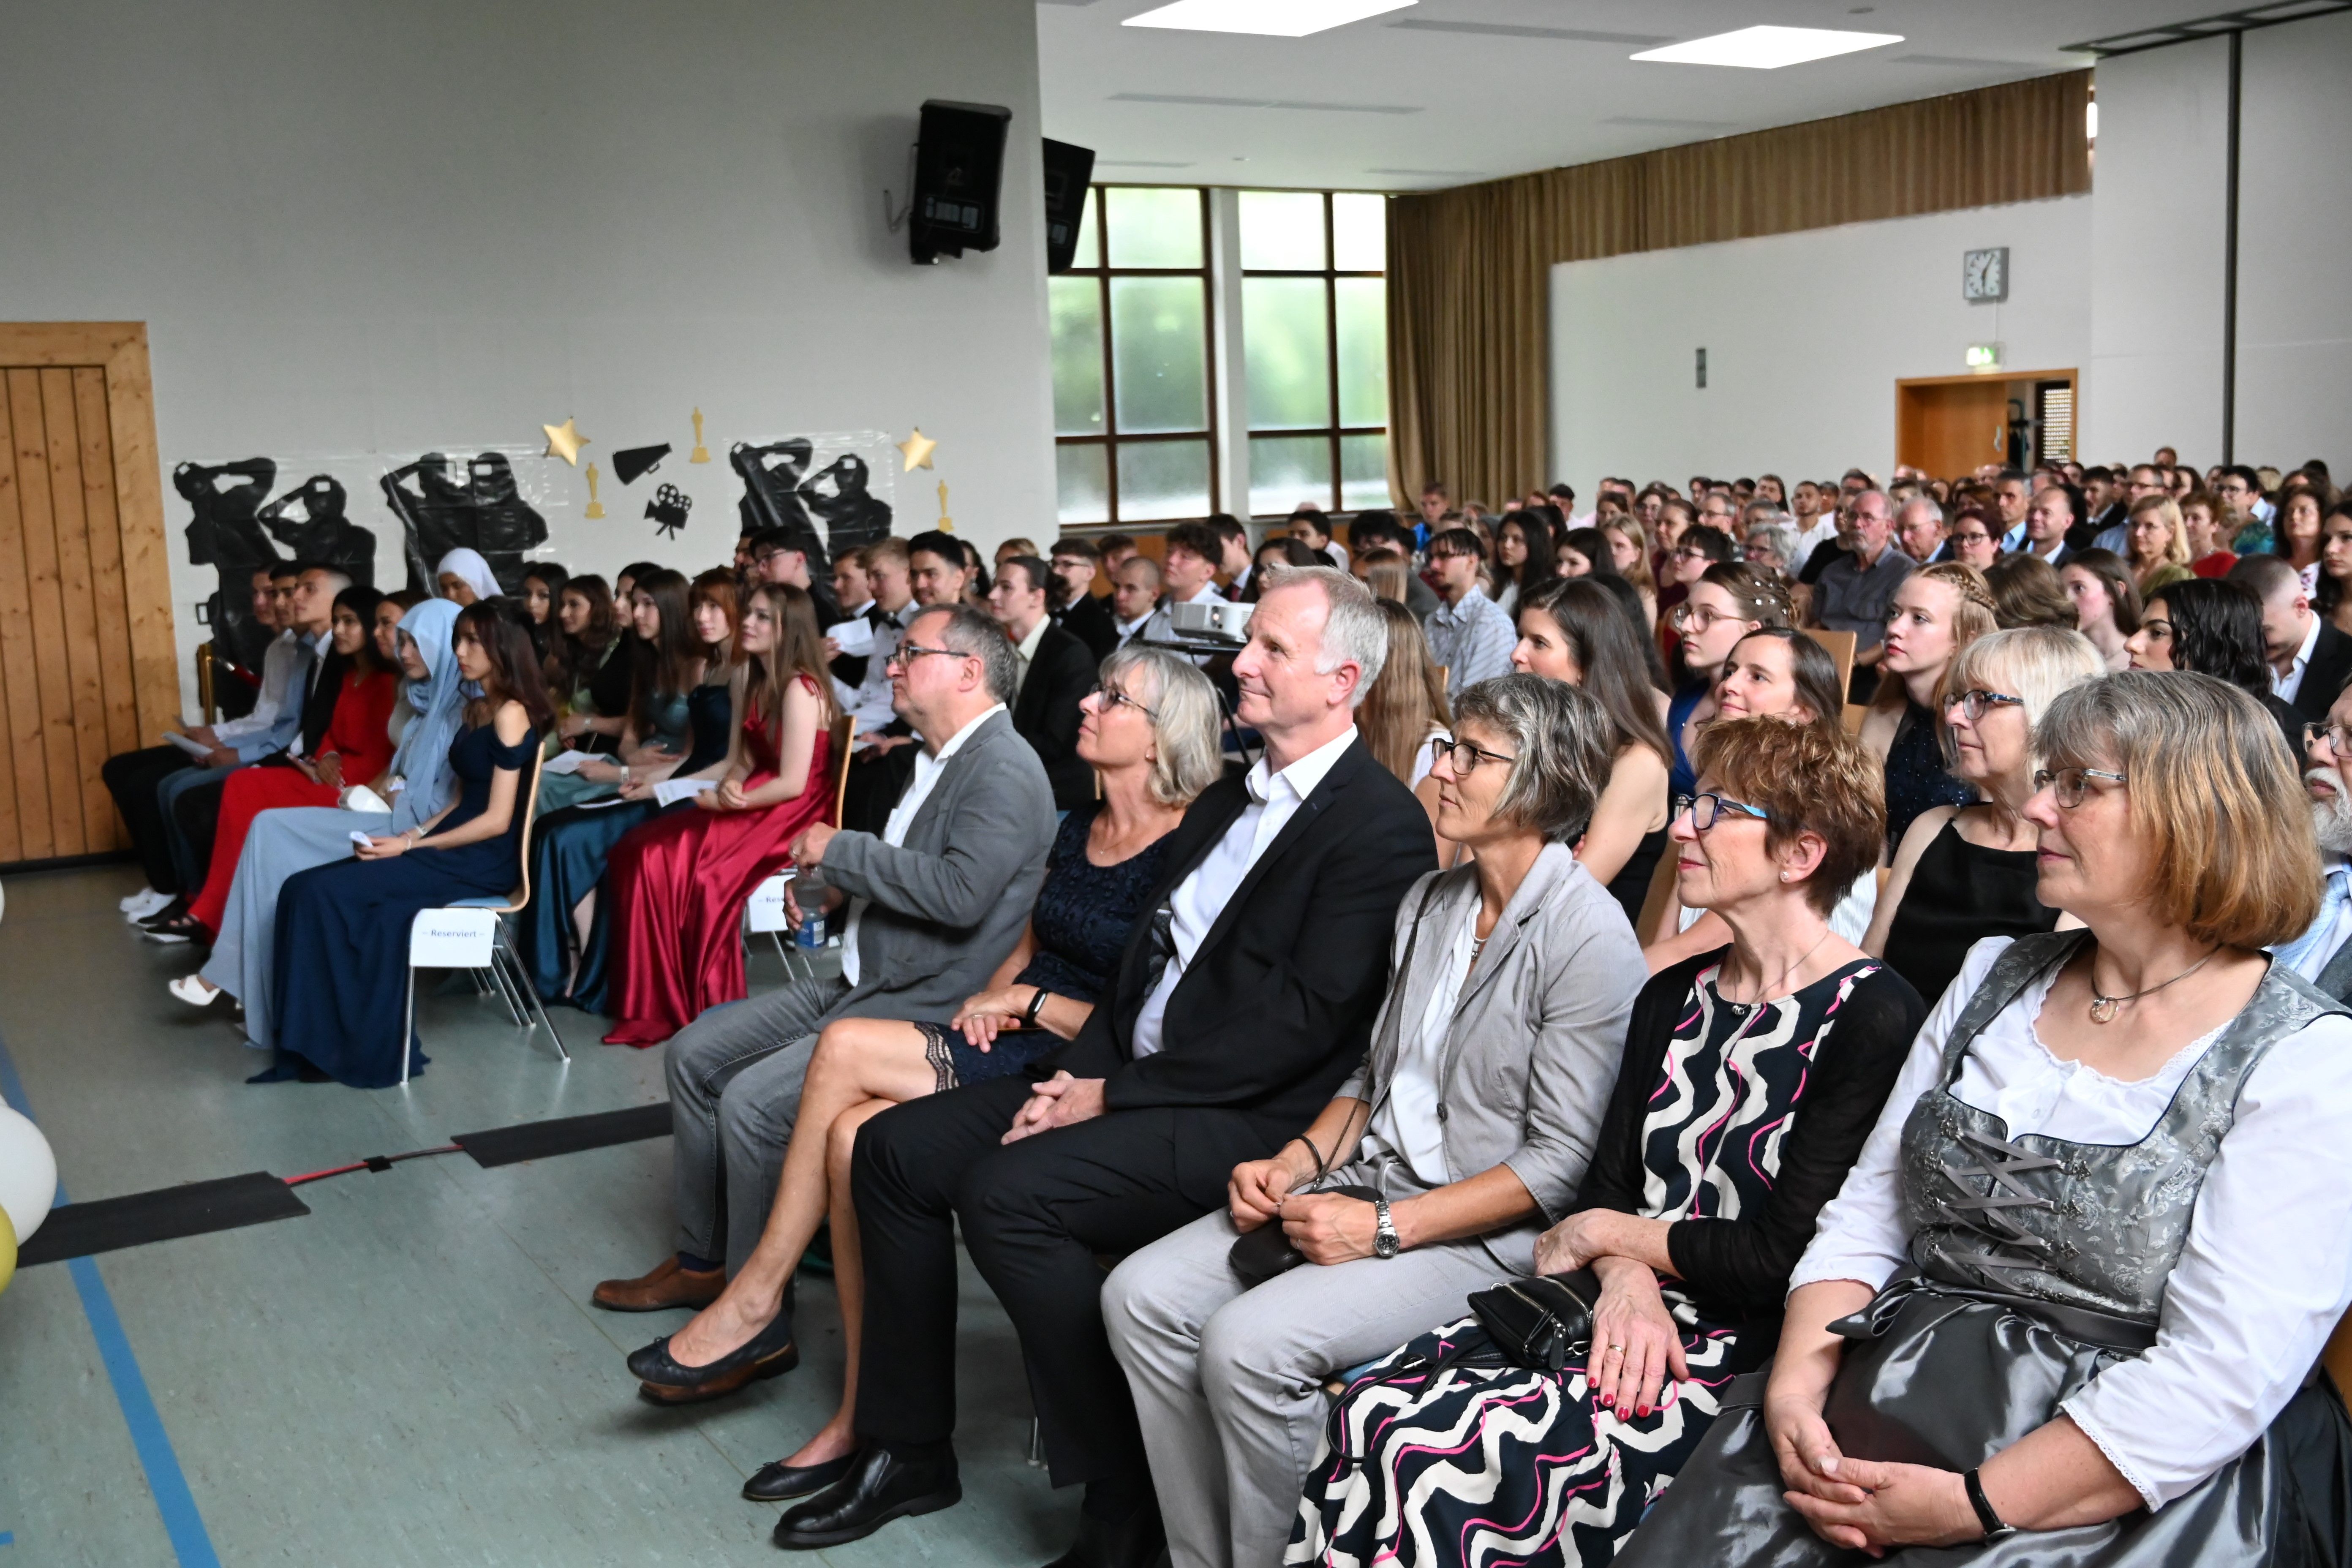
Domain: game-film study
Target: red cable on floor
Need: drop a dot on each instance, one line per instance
(372, 1163)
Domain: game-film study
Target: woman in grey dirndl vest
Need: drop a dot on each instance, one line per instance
(2068, 1306)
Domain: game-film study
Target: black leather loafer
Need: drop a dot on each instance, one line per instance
(771, 1353)
(879, 1488)
(779, 1482)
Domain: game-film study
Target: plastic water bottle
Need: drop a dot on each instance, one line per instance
(811, 936)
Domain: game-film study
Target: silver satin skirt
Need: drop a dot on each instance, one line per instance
(1949, 1382)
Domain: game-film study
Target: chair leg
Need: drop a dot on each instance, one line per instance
(408, 1026)
(514, 962)
(507, 992)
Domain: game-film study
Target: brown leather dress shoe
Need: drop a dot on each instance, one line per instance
(666, 1285)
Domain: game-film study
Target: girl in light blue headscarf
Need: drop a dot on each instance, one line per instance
(296, 838)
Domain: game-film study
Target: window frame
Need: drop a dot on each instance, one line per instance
(1330, 274)
(1100, 269)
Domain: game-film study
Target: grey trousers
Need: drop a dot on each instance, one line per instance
(735, 1076)
(1228, 1383)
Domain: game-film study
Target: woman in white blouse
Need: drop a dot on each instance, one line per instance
(2065, 1306)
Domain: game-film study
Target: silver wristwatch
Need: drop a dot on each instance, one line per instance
(1385, 1242)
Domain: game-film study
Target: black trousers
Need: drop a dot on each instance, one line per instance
(1035, 1214)
(131, 777)
(195, 816)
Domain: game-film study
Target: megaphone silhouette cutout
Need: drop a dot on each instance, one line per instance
(637, 462)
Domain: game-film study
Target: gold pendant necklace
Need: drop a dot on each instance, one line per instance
(2103, 1008)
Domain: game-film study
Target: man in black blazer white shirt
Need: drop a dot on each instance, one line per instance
(1237, 1011)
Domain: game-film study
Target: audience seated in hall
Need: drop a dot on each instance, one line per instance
(1404, 714)
(937, 575)
(665, 661)
(1055, 671)
(1469, 635)
(935, 902)
(1745, 1084)
(1935, 612)
(1077, 608)
(2167, 1107)
(343, 927)
(1235, 1013)
(1151, 732)
(1472, 1118)
(675, 889)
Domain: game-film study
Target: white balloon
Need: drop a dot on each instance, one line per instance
(28, 1174)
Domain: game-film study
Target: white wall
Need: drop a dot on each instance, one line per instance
(2295, 244)
(2157, 237)
(422, 223)
(1806, 335)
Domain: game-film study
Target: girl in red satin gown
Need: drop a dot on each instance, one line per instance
(677, 887)
(358, 737)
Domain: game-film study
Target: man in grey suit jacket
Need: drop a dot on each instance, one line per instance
(936, 902)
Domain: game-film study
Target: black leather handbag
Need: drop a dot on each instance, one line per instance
(1259, 1255)
(1543, 1324)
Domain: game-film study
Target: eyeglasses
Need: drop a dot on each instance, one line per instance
(907, 653)
(1107, 697)
(1688, 554)
(1695, 617)
(1969, 541)
(1464, 756)
(1707, 810)
(1974, 703)
(2071, 785)
(2338, 738)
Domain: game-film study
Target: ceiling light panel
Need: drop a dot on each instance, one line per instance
(1272, 18)
(1768, 48)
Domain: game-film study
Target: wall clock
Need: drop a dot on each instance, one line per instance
(1984, 274)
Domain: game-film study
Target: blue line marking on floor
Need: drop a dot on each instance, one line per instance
(185, 1527)
(6, 1538)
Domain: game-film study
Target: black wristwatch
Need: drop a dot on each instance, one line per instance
(1994, 1529)
(1029, 1014)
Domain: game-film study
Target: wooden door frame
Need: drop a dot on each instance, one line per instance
(2073, 377)
(120, 349)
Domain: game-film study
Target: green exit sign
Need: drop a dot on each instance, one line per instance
(1984, 356)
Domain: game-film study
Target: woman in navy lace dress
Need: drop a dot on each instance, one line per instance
(1149, 731)
(342, 928)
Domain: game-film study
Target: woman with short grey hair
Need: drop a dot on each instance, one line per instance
(1431, 1173)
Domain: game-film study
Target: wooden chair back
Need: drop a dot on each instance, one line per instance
(844, 731)
(1840, 647)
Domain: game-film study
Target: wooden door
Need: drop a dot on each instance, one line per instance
(1950, 427)
(86, 643)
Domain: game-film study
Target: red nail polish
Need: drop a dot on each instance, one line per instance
(1643, 1411)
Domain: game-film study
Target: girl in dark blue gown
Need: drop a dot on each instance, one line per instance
(342, 929)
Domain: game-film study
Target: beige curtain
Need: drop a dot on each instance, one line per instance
(1469, 269)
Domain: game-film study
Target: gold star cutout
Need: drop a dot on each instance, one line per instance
(917, 450)
(564, 441)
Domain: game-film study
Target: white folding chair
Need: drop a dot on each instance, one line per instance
(473, 934)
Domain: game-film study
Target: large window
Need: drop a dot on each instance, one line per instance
(1140, 409)
(1315, 336)
(1133, 419)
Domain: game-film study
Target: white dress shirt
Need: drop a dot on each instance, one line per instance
(928, 769)
(2268, 1268)
(1025, 650)
(869, 705)
(1406, 1123)
(1200, 897)
(1129, 630)
(2284, 686)
(2308, 955)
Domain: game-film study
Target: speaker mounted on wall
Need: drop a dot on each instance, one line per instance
(1067, 171)
(959, 168)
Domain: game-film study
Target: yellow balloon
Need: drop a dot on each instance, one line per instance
(7, 1251)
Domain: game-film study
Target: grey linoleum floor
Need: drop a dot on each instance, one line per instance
(412, 1374)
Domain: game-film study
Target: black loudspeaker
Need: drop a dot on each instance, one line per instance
(958, 166)
(1067, 171)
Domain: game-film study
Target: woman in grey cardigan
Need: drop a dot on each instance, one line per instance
(1472, 1117)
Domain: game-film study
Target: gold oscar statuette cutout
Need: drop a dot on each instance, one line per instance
(701, 452)
(595, 507)
(946, 523)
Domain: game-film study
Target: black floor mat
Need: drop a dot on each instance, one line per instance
(564, 1135)
(110, 1224)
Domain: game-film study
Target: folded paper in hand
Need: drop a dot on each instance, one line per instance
(359, 797)
(194, 748)
(670, 791)
(565, 762)
(853, 637)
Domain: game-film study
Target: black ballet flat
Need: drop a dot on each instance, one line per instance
(662, 1380)
(778, 1481)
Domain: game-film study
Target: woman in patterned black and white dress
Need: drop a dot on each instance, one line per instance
(1750, 1077)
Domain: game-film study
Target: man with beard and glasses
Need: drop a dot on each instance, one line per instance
(2322, 954)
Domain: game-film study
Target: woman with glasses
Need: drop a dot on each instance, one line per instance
(1726, 601)
(1467, 1128)
(1149, 730)
(1746, 1082)
(1574, 631)
(1975, 539)
(1938, 611)
(2068, 1306)
(674, 890)
(1965, 873)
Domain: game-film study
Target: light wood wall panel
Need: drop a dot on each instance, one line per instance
(1469, 267)
(86, 659)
